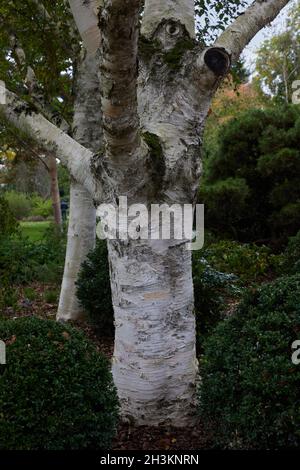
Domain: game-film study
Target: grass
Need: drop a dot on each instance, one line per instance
(34, 230)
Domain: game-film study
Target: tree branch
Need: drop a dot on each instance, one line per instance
(119, 24)
(73, 155)
(85, 13)
(32, 86)
(236, 37)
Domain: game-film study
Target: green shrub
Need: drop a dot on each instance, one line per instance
(251, 183)
(8, 297)
(19, 204)
(56, 389)
(250, 387)
(17, 261)
(291, 256)
(42, 208)
(51, 296)
(93, 288)
(8, 223)
(30, 293)
(211, 289)
(248, 262)
(22, 261)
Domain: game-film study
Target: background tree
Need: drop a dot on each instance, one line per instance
(42, 62)
(278, 60)
(251, 183)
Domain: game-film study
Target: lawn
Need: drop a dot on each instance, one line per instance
(34, 230)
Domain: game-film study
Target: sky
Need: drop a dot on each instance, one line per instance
(277, 26)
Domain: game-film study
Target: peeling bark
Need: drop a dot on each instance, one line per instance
(119, 21)
(156, 11)
(154, 364)
(238, 35)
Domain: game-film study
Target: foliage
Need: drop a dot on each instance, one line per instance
(249, 263)
(8, 223)
(278, 60)
(42, 32)
(250, 388)
(42, 208)
(19, 204)
(291, 256)
(22, 261)
(63, 181)
(93, 288)
(56, 389)
(215, 15)
(211, 288)
(230, 101)
(251, 186)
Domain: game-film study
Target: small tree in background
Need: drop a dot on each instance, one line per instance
(251, 187)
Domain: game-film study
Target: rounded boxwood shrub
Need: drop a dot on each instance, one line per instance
(250, 387)
(93, 289)
(56, 389)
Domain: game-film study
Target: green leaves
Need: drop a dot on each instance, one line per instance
(250, 388)
(56, 390)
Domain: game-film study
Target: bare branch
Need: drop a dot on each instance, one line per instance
(247, 25)
(119, 24)
(73, 155)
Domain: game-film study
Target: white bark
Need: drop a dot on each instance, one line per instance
(154, 365)
(85, 16)
(156, 11)
(82, 218)
(261, 13)
(81, 239)
(73, 155)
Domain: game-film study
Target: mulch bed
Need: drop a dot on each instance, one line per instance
(166, 439)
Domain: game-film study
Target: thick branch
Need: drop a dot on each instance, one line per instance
(119, 22)
(85, 13)
(246, 26)
(73, 155)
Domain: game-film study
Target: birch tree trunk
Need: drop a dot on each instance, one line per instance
(156, 91)
(81, 239)
(82, 216)
(154, 363)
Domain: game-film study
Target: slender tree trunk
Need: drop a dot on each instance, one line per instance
(154, 364)
(81, 239)
(82, 216)
(54, 188)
